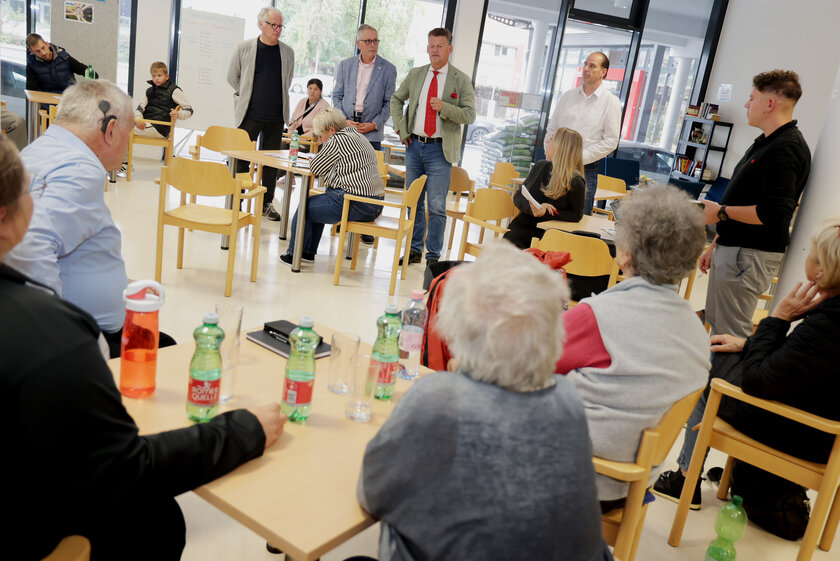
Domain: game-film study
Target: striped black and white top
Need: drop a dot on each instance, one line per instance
(347, 161)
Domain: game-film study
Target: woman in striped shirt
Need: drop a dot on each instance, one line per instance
(346, 164)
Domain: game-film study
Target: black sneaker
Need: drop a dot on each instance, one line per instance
(270, 213)
(286, 259)
(366, 238)
(670, 485)
(431, 260)
(413, 257)
(307, 257)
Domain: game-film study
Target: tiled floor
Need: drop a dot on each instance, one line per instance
(353, 306)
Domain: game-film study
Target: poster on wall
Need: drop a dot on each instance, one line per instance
(78, 11)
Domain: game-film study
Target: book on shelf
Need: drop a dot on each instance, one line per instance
(693, 111)
(710, 109)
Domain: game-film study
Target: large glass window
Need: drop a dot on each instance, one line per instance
(13, 54)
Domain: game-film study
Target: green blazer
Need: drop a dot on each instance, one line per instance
(458, 107)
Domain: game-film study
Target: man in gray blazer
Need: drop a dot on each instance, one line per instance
(364, 85)
(260, 73)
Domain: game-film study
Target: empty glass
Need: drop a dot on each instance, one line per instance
(344, 349)
(361, 388)
(230, 320)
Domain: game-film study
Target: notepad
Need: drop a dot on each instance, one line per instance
(274, 336)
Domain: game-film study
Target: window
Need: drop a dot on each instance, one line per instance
(13, 56)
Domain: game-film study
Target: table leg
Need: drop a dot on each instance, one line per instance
(229, 203)
(32, 120)
(301, 221)
(287, 202)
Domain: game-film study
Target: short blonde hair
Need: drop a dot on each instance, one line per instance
(502, 318)
(327, 119)
(158, 66)
(825, 246)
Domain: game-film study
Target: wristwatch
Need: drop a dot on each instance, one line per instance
(722, 216)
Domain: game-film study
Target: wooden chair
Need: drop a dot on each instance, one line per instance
(208, 179)
(590, 256)
(311, 143)
(488, 210)
(612, 184)
(616, 277)
(166, 142)
(217, 138)
(502, 174)
(46, 117)
(764, 300)
(71, 548)
(824, 478)
(460, 184)
(390, 227)
(622, 527)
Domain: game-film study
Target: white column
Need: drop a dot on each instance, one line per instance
(535, 56)
(669, 127)
(821, 198)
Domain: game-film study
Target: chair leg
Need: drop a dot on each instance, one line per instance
(255, 253)
(231, 259)
(130, 159)
(726, 479)
(451, 234)
(180, 261)
(342, 237)
(407, 235)
(817, 521)
(831, 523)
(356, 239)
(376, 242)
(637, 538)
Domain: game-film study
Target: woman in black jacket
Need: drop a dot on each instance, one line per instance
(556, 188)
(799, 369)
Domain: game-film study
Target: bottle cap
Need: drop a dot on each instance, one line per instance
(143, 296)
(392, 309)
(737, 500)
(211, 318)
(307, 322)
(417, 294)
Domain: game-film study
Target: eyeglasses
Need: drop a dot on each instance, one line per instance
(369, 42)
(275, 26)
(37, 184)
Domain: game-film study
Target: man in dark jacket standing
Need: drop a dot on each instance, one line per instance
(49, 68)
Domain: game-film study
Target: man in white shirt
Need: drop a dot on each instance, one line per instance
(594, 112)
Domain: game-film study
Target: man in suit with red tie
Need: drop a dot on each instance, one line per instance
(440, 99)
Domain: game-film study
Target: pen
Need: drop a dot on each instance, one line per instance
(279, 336)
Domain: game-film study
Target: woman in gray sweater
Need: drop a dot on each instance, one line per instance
(492, 461)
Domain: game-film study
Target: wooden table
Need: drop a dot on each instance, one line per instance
(594, 224)
(399, 171)
(35, 99)
(301, 494)
(600, 194)
(390, 147)
(265, 158)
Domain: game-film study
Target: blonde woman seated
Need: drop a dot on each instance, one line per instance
(557, 187)
(492, 461)
(303, 117)
(635, 349)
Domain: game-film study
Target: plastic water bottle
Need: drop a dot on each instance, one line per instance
(294, 147)
(140, 337)
(411, 335)
(90, 74)
(729, 525)
(300, 372)
(205, 370)
(386, 352)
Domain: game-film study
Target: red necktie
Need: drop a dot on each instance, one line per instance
(431, 114)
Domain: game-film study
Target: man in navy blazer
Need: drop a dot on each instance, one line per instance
(364, 85)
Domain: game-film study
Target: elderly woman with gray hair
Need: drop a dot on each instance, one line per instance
(492, 461)
(635, 349)
(346, 164)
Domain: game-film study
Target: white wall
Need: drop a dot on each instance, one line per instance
(760, 35)
(152, 44)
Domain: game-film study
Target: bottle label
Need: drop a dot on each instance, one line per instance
(388, 372)
(411, 341)
(204, 392)
(297, 393)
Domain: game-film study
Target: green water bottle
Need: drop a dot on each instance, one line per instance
(300, 372)
(205, 370)
(90, 74)
(386, 352)
(729, 525)
(294, 147)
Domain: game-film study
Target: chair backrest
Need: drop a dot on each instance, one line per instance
(71, 548)
(225, 138)
(382, 166)
(590, 256)
(503, 172)
(491, 205)
(667, 430)
(195, 177)
(611, 184)
(412, 195)
(460, 182)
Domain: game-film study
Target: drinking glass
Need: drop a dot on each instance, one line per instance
(230, 320)
(361, 388)
(344, 349)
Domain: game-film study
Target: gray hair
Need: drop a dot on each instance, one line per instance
(328, 118)
(79, 105)
(502, 318)
(264, 12)
(664, 232)
(365, 27)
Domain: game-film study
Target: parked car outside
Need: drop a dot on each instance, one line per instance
(654, 161)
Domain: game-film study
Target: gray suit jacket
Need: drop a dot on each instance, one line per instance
(458, 107)
(377, 106)
(241, 77)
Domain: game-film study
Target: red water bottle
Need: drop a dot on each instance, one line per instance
(139, 344)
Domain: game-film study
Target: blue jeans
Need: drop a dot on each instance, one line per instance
(590, 173)
(691, 435)
(428, 159)
(326, 209)
(376, 145)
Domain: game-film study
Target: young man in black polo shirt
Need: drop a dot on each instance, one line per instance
(753, 219)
